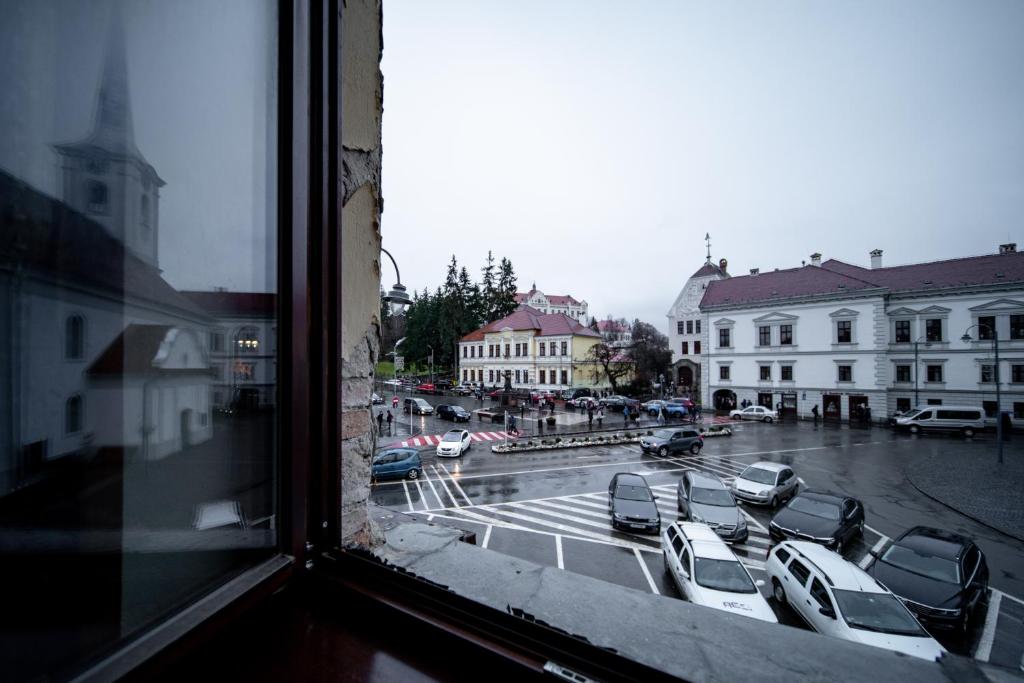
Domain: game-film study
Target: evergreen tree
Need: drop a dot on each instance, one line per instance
(505, 302)
(488, 291)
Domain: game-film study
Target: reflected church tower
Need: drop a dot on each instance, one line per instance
(105, 176)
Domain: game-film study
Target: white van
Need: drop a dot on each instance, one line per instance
(964, 419)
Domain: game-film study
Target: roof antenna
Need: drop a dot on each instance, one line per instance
(707, 239)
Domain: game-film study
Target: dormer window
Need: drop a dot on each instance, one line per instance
(97, 197)
(144, 217)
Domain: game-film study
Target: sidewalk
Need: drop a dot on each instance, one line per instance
(979, 488)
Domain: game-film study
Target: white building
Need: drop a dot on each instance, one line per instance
(845, 337)
(615, 333)
(685, 326)
(554, 303)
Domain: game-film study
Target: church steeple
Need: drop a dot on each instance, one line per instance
(105, 175)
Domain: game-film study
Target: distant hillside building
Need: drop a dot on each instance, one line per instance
(553, 303)
(615, 333)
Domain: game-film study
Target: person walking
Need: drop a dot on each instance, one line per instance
(814, 412)
(600, 416)
(380, 422)
(590, 419)
(661, 415)
(625, 415)
(390, 418)
(394, 403)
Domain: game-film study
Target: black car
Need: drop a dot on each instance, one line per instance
(631, 503)
(830, 519)
(453, 413)
(940, 576)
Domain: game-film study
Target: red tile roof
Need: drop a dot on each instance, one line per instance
(246, 304)
(780, 284)
(554, 299)
(527, 318)
(710, 269)
(611, 326)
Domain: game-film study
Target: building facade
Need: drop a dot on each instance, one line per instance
(542, 351)
(615, 333)
(851, 339)
(554, 303)
(685, 326)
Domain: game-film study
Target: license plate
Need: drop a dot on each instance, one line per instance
(637, 526)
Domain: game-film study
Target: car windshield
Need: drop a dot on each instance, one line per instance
(758, 475)
(914, 412)
(880, 612)
(627, 492)
(722, 575)
(719, 497)
(453, 435)
(815, 508)
(922, 564)
(664, 434)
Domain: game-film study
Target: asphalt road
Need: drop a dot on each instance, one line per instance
(550, 507)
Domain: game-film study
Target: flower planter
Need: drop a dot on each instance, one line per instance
(558, 444)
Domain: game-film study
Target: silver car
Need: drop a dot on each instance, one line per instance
(703, 498)
(766, 483)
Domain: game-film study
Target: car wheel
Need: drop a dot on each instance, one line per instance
(774, 502)
(735, 417)
(778, 592)
(914, 429)
(969, 433)
(768, 420)
(413, 474)
(695, 449)
(663, 451)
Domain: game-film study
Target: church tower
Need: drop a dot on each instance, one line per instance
(105, 176)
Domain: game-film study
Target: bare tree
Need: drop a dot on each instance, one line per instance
(609, 363)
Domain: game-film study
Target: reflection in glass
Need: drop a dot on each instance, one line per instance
(137, 226)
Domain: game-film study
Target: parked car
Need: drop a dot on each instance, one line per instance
(583, 402)
(452, 412)
(463, 390)
(417, 406)
(454, 443)
(703, 498)
(666, 441)
(677, 408)
(425, 388)
(828, 519)
(375, 399)
(570, 394)
(392, 383)
(766, 483)
(396, 463)
(966, 420)
(754, 413)
(652, 407)
(940, 576)
(494, 393)
(631, 504)
(837, 598)
(708, 573)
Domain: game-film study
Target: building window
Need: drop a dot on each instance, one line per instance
(696, 326)
(74, 337)
(553, 349)
(986, 327)
(679, 327)
(766, 373)
(764, 335)
(844, 331)
(517, 376)
(903, 373)
(933, 329)
(472, 352)
(217, 342)
(1017, 327)
(247, 340)
(696, 348)
(935, 401)
(989, 407)
(988, 373)
(480, 351)
(686, 348)
(786, 335)
(786, 373)
(723, 372)
(565, 348)
(902, 332)
(723, 338)
(689, 327)
(543, 377)
(902, 405)
(490, 374)
(465, 352)
(565, 376)
(508, 350)
(934, 373)
(1018, 410)
(98, 197)
(845, 373)
(465, 375)
(1017, 374)
(73, 415)
(541, 348)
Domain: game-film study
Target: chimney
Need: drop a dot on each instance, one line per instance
(876, 259)
(754, 271)
(722, 263)
(1010, 248)
(816, 259)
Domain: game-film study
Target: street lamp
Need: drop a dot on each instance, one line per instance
(927, 344)
(431, 363)
(397, 297)
(966, 339)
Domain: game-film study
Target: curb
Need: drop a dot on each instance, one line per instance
(959, 511)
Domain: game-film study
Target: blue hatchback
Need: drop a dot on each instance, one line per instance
(397, 462)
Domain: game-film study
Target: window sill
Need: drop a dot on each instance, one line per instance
(935, 385)
(843, 346)
(845, 384)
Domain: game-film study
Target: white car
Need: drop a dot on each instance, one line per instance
(766, 483)
(453, 444)
(708, 573)
(755, 413)
(837, 598)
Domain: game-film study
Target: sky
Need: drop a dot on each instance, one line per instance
(596, 143)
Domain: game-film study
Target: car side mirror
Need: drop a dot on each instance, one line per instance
(828, 612)
(759, 583)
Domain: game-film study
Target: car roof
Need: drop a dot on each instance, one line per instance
(935, 542)
(630, 479)
(704, 480)
(458, 432)
(705, 542)
(839, 573)
(401, 449)
(772, 466)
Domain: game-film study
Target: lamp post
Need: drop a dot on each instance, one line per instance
(927, 344)
(397, 297)
(431, 363)
(999, 404)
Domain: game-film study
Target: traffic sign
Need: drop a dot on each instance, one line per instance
(399, 362)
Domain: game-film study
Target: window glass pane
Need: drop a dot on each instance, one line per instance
(138, 177)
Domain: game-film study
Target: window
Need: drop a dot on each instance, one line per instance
(902, 405)
(723, 372)
(684, 561)
(989, 407)
(932, 402)
(689, 327)
(1018, 411)
(764, 335)
(677, 543)
(480, 351)
(988, 373)
(766, 373)
(552, 348)
(543, 376)
(1017, 373)
(723, 337)
(798, 570)
(934, 373)
(217, 342)
(679, 327)
(508, 350)
(472, 352)
(782, 554)
(518, 376)
(1017, 327)
(986, 327)
(97, 199)
(465, 375)
(845, 373)
(464, 352)
(903, 373)
(565, 348)
(933, 329)
(73, 415)
(541, 347)
(696, 348)
(74, 337)
(820, 595)
(490, 376)
(686, 348)
(844, 331)
(902, 332)
(786, 373)
(696, 326)
(565, 376)
(247, 340)
(786, 335)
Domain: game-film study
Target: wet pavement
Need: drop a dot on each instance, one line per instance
(550, 507)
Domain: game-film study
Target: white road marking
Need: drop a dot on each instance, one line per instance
(577, 501)
(558, 551)
(753, 521)
(455, 483)
(533, 507)
(988, 633)
(1007, 595)
(485, 436)
(556, 506)
(573, 530)
(408, 498)
(757, 540)
(423, 499)
(487, 536)
(475, 436)
(443, 484)
(430, 518)
(440, 503)
(866, 560)
(647, 572)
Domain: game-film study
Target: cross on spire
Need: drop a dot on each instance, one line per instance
(707, 240)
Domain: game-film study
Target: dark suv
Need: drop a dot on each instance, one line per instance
(453, 413)
(631, 503)
(829, 519)
(665, 441)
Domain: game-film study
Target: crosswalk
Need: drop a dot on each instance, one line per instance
(433, 439)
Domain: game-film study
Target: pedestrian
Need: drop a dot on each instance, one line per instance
(390, 418)
(778, 410)
(394, 403)
(661, 415)
(814, 412)
(867, 414)
(590, 419)
(600, 416)
(696, 413)
(380, 422)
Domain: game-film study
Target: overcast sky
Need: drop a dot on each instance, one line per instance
(595, 143)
